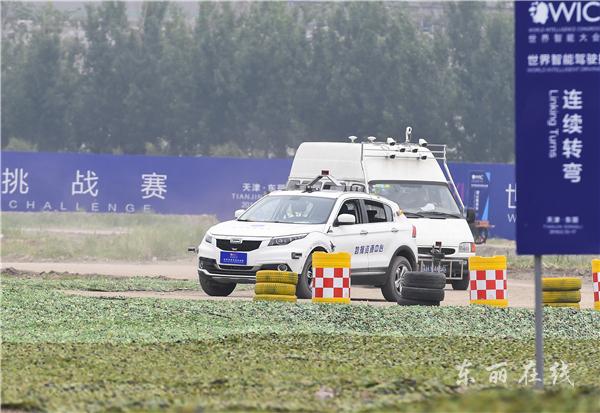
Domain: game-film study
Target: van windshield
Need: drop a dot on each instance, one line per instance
(290, 209)
(427, 199)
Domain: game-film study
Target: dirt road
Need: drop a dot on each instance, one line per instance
(520, 285)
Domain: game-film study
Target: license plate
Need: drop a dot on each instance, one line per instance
(233, 258)
(429, 267)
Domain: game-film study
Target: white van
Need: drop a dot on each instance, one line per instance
(416, 177)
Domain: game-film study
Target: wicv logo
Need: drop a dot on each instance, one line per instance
(541, 11)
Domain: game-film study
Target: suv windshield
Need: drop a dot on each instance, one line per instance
(290, 209)
(420, 198)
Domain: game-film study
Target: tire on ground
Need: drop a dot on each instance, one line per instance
(273, 297)
(566, 305)
(561, 284)
(424, 279)
(423, 294)
(282, 277)
(407, 301)
(389, 290)
(216, 289)
(275, 289)
(561, 296)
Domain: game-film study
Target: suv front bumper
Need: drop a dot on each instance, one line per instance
(454, 268)
(241, 274)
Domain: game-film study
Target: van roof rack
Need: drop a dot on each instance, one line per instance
(404, 150)
(412, 150)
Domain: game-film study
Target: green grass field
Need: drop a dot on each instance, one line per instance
(75, 237)
(70, 353)
(56, 236)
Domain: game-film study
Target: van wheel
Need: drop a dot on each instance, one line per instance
(216, 289)
(393, 284)
(304, 287)
(461, 285)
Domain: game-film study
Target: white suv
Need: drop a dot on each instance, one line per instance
(282, 230)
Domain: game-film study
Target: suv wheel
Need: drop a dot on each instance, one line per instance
(393, 284)
(304, 287)
(216, 289)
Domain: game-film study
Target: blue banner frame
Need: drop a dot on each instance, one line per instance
(557, 64)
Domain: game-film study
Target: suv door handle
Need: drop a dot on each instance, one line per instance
(363, 232)
(395, 230)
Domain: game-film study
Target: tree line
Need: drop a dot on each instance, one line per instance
(255, 79)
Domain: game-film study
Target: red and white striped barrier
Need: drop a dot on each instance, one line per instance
(488, 283)
(331, 277)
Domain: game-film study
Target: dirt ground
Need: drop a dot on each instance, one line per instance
(520, 284)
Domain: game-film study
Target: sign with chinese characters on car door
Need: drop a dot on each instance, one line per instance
(557, 52)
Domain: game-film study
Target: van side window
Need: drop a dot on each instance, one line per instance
(375, 212)
(351, 207)
(389, 214)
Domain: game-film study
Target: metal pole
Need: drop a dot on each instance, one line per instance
(539, 321)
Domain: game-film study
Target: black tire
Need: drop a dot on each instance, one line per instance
(423, 294)
(424, 279)
(304, 287)
(393, 283)
(407, 301)
(216, 289)
(461, 285)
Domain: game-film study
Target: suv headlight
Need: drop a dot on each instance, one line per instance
(466, 247)
(208, 238)
(285, 240)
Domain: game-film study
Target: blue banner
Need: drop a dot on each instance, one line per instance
(558, 126)
(33, 181)
(127, 184)
(493, 195)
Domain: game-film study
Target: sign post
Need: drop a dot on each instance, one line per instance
(557, 102)
(539, 323)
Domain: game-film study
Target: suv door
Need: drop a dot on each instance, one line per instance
(380, 235)
(351, 238)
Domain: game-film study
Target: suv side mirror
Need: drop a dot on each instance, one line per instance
(238, 213)
(345, 219)
(470, 215)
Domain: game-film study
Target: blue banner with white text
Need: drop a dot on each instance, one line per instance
(36, 181)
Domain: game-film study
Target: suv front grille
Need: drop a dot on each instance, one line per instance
(236, 267)
(427, 251)
(210, 265)
(246, 245)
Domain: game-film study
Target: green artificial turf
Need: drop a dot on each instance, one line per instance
(72, 353)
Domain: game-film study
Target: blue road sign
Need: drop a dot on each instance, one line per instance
(558, 127)
(479, 199)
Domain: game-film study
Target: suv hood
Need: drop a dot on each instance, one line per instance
(240, 229)
(450, 232)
